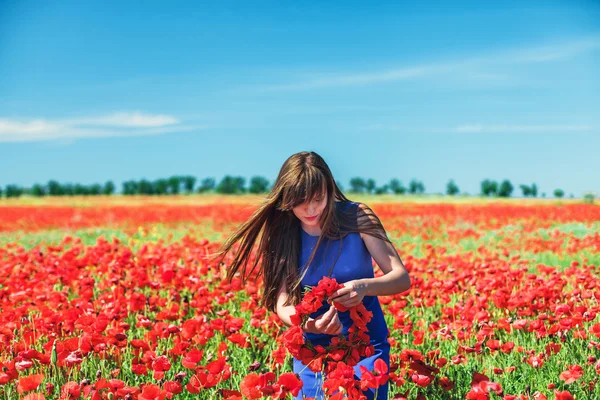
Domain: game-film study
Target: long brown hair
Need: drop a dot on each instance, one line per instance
(302, 177)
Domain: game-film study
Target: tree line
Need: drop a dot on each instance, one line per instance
(187, 184)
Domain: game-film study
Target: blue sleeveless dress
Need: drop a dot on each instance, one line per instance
(354, 262)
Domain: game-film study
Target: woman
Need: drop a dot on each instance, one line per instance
(308, 229)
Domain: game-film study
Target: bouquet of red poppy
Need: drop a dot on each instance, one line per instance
(348, 350)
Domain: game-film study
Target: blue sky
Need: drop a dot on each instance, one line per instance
(113, 90)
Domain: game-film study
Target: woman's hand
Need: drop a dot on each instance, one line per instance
(351, 295)
(328, 323)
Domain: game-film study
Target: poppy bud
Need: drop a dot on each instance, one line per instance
(54, 356)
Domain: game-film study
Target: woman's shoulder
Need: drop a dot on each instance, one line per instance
(346, 204)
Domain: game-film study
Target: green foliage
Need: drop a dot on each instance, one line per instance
(533, 190)
(174, 183)
(130, 187)
(416, 186)
(231, 185)
(81, 189)
(161, 186)
(506, 188)
(95, 189)
(559, 193)
(489, 188)
(145, 187)
(38, 190)
(358, 185)
(109, 188)
(588, 198)
(188, 183)
(54, 188)
(206, 185)
(452, 188)
(258, 184)
(396, 186)
(382, 190)
(370, 186)
(13, 191)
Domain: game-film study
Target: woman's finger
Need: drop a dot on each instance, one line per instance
(325, 318)
(334, 326)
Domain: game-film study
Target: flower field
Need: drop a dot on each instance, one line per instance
(118, 300)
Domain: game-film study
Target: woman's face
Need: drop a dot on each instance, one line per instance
(312, 208)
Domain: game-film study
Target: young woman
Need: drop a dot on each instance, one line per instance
(307, 229)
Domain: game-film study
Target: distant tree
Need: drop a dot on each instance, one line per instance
(506, 188)
(231, 185)
(543, 194)
(206, 185)
(54, 188)
(451, 188)
(108, 188)
(130, 188)
(258, 184)
(489, 188)
(145, 187)
(0, 192)
(415, 186)
(68, 189)
(13, 191)
(396, 186)
(188, 183)
(161, 186)
(358, 185)
(370, 186)
(529, 190)
(559, 193)
(174, 184)
(382, 190)
(81, 190)
(588, 198)
(38, 190)
(95, 189)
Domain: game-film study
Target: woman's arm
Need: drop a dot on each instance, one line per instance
(396, 279)
(284, 312)
(328, 322)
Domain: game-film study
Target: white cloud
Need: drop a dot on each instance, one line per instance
(29, 127)
(469, 66)
(356, 79)
(557, 52)
(116, 124)
(480, 128)
(129, 119)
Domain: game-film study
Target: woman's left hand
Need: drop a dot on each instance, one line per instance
(350, 295)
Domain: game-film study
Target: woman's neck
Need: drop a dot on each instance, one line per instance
(311, 230)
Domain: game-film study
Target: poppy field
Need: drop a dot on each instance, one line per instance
(119, 300)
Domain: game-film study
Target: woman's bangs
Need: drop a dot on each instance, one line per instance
(308, 187)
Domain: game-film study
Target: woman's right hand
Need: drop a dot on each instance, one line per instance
(328, 323)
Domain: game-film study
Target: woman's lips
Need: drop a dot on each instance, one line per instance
(312, 218)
